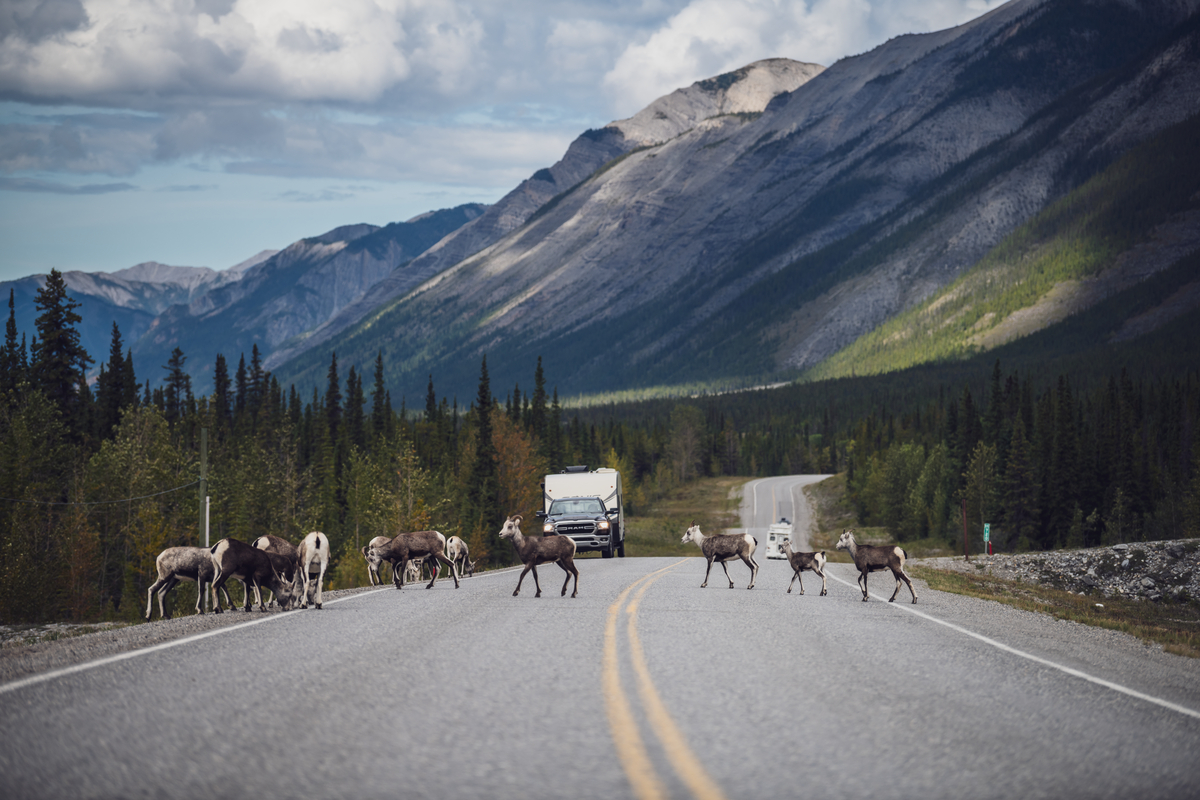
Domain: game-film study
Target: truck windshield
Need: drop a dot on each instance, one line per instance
(584, 505)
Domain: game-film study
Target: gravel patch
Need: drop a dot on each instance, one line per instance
(1152, 571)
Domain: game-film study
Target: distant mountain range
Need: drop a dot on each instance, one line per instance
(939, 195)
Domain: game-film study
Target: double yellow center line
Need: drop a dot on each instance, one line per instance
(626, 736)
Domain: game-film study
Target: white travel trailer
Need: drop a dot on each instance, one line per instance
(587, 507)
(777, 534)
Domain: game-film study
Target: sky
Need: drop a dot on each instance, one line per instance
(200, 132)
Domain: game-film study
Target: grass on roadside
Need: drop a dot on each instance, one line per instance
(707, 501)
(1175, 626)
(834, 514)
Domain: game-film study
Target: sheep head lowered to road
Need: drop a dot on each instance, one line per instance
(722, 548)
(407, 546)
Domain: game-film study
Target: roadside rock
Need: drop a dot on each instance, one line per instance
(1155, 571)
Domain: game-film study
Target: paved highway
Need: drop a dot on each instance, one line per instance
(645, 686)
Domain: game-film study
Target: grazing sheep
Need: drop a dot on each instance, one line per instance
(802, 561)
(414, 570)
(177, 564)
(722, 548)
(874, 558)
(312, 558)
(374, 561)
(407, 546)
(559, 549)
(275, 544)
(457, 550)
(252, 567)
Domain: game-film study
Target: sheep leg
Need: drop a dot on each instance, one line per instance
(795, 574)
(320, 586)
(821, 572)
(535, 581)
(154, 587)
(862, 583)
(725, 566)
(398, 570)
(901, 575)
(705, 584)
(562, 562)
(522, 578)
(753, 565)
(441, 559)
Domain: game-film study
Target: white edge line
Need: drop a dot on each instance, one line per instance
(1116, 687)
(33, 680)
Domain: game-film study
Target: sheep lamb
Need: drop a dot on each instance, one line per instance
(722, 548)
(805, 561)
(875, 558)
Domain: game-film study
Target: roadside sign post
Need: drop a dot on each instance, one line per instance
(987, 537)
(966, 550)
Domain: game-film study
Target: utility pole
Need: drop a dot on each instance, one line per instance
(204, 484)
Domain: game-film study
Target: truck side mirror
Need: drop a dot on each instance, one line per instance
(540, 514)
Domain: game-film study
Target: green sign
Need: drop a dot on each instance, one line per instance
(987, 531)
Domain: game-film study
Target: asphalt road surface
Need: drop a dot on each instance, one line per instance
(644, 686)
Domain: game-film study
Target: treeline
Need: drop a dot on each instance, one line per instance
(97, 478)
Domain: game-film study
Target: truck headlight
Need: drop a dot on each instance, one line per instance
(603, 525)
(548, 527)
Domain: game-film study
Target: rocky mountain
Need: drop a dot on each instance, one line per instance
(131, 297)
(736, 245)
(746, 91)
(286, 296)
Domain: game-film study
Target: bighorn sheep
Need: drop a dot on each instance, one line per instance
(802, 561)
(374, 561)
(177, 564)
(274, 544)
(874, 558)
(559, 549)
(414, 570)
(312, 558)
(722, 548)
(457, 550)
(253, 567)
(406, 546)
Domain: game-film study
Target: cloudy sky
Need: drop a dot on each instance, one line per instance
(198, 132)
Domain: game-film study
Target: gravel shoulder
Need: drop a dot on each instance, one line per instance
(62, 645)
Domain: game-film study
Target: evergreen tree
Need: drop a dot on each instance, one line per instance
(178, 387)
(59, 362)
(484, 491)
(111, 387)
(380, 410)
(11, 369)
(355, 415)
(222, 413)
(1020, 491)
(333, 399)
(241, 389)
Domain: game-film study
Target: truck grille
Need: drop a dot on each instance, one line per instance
(576, 528)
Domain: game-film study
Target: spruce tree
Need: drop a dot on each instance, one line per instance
(333, 399)
(59, 362)
(484, 490)
(178, 387)
(222, 412)
(11, 369)
(379, 407)
(111, 387)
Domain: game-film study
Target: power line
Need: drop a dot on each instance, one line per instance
(101, 502)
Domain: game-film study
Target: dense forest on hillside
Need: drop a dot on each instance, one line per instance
(95, 480)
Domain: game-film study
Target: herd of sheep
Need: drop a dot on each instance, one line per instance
(289, 572)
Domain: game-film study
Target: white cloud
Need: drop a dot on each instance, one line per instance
(710, 37)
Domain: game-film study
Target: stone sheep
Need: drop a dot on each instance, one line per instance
(724, 547)
(280, 546)
(458, 552)
(875, 558)
(805, 561)
(312, 558)
(407, 546)
(559, 549)
(374, 561)
(177, 564)
(253, 568)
